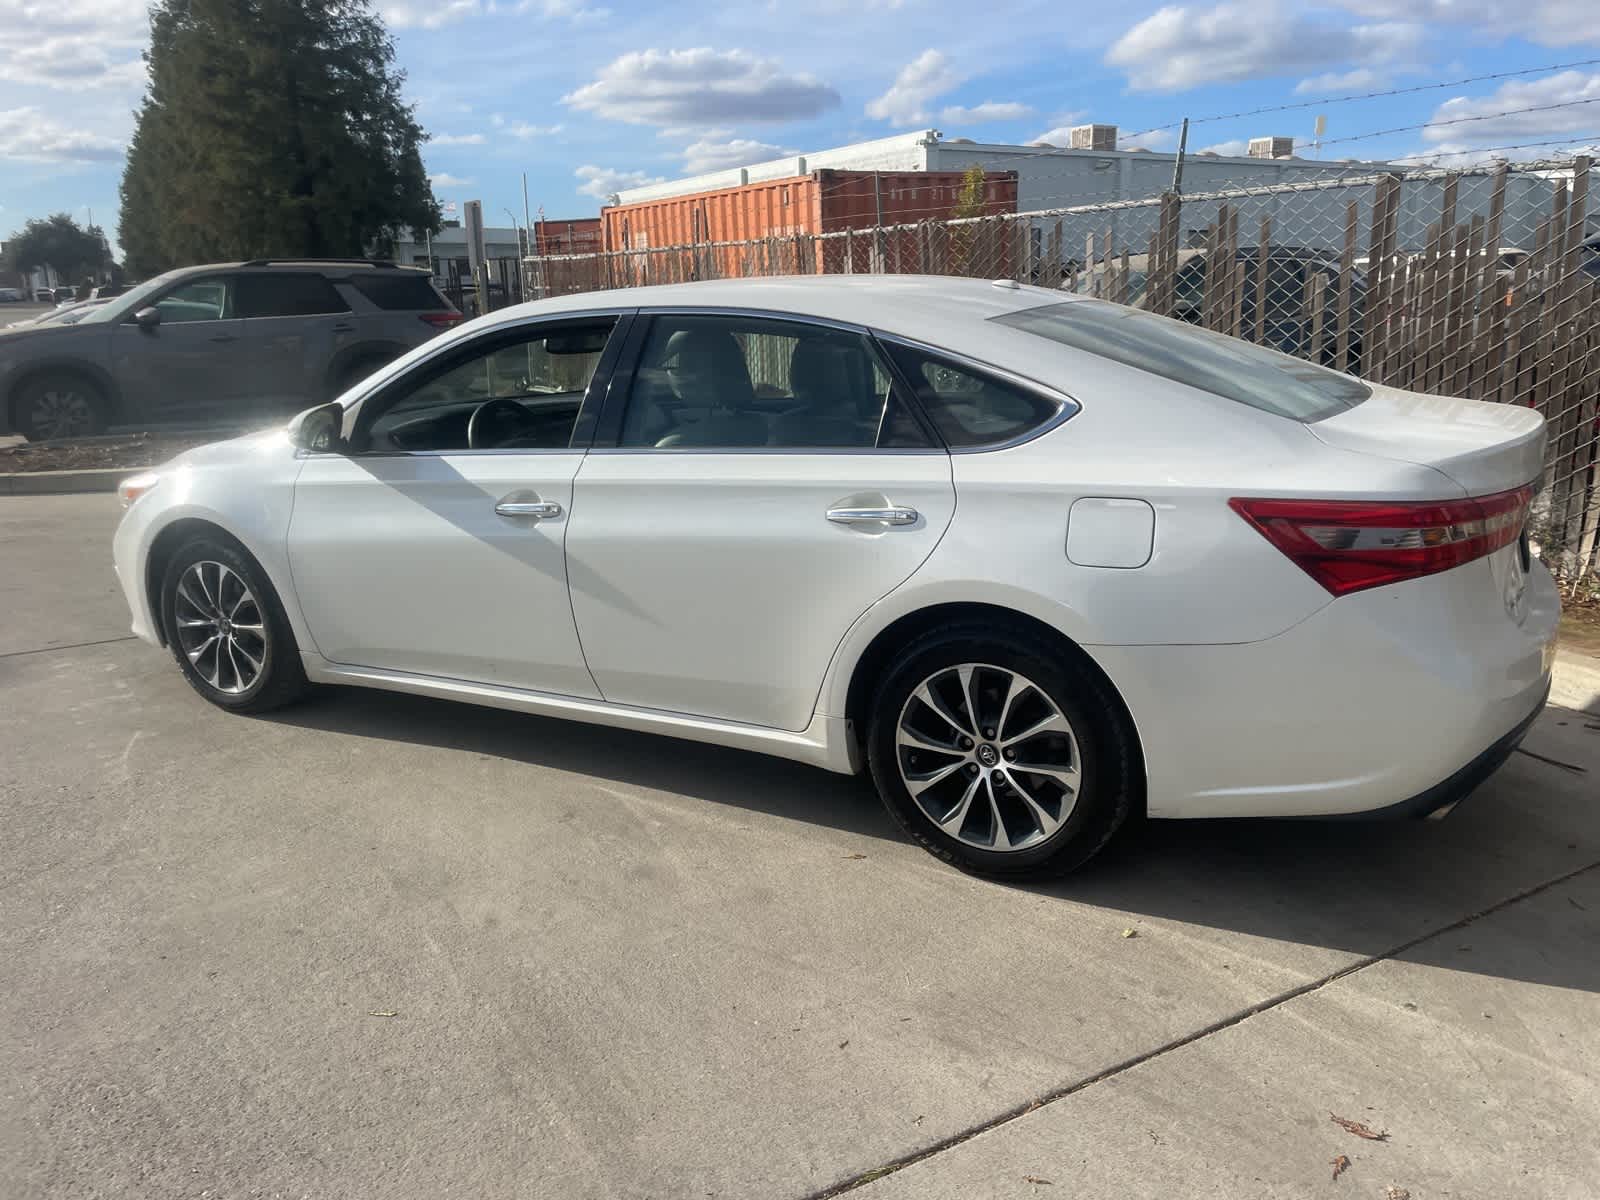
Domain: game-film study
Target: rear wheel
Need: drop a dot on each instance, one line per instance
(998, 755)
(59, 405)
(227, 630)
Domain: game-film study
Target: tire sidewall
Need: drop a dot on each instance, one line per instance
(280, 640)
(1103, 794)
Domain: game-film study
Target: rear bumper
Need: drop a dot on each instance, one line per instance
(1437, 802)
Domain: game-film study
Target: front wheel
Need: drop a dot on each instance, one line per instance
(61, 405)
(227, 630)
(1001, 756)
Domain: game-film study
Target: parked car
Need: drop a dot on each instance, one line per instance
(1288, 320)
(1036, 561)
(229, 342)
(108, 291)
(70, 314)
(66, 295)
(44, 295)
(10, 296)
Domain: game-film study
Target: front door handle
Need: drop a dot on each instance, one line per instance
(224, 337)
(873, 516)
(528, 508)
(343, 327)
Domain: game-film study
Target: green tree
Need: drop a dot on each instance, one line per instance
(963, 238)
(60, 243)
(969, 201)
(270, 127)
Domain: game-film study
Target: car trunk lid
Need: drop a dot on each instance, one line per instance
(1483, 447)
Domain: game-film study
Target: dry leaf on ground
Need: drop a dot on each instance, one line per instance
(1359, 1129)
(1340, 1163)
(1036, 1181)
(1395, 1192)
(854, 856)
(1130, 933)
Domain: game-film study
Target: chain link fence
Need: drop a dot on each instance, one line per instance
(1482, 282)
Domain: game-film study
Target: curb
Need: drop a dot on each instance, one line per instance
(56, 483)
(1576, 682)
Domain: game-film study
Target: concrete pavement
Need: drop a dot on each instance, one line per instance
(379, 945)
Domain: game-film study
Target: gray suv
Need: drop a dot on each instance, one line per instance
(230, 343)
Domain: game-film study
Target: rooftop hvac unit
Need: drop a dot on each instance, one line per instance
(1272, 147)
(1093, 137)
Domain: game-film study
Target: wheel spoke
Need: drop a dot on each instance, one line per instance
(1014, 688)
(1067, 777)
(255, 663)
(1047, 823)
(196, 624)
(957, 817)
(906, 737)
(1002, 838)
(1054, 723)
(258, 630)
(925, 694)
(194, 655)
(965, 673)
(188, 597)
(920, 781)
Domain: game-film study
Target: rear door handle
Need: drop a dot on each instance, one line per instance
(873, 516)
(224, 337)
(343, 327)
(528, 508)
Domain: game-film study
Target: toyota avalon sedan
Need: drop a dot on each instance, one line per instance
(1036, 562)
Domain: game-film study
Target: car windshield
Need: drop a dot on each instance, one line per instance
(130, 301)
(1224, 366)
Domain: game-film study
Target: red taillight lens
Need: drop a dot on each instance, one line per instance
(1348, 545)
(442, 320)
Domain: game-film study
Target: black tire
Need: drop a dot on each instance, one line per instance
(59, 404)
(280, 679)
(1101, 747)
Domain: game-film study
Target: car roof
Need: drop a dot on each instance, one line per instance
(335, 267)
(907, 304)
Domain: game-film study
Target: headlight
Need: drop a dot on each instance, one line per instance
(134, 486)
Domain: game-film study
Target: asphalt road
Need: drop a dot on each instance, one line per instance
(384, 946)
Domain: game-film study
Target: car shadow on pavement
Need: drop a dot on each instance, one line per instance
(1360, 888)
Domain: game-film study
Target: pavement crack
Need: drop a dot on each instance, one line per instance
(1554, 762)
(127, 637)
(1188, 1039)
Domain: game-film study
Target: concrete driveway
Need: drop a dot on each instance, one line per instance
(384, 946)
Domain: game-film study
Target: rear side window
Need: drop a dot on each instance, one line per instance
(285, 295)
(1224, 366)
(403, 290)
(969, 407)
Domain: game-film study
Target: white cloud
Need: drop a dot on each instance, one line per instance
(525, 131)
(1341, 81)
(602, 181)
(920, 82)
(1237, 148)
(443, 179)
(1576, 88)
(31, 135)
(1458, 154)
(700, 87)
(707, 155)
(1154, 139)
(428, 14)
(108, 20)
(457, 139)
(560, 10)
(989, 110)
(1548, 22)
(1181, 47)
(70, 62)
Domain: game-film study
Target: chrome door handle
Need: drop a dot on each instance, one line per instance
(528, 508)
(873, 516)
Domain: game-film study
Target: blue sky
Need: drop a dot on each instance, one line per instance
(587, 96)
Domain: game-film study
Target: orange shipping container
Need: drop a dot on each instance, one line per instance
(821, 202)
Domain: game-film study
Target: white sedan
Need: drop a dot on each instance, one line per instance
(1036, 562)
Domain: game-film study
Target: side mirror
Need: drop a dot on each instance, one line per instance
(319, 429)
(148, 317)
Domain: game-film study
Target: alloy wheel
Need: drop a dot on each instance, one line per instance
(61, 412)
(221, 628)
(988, 757)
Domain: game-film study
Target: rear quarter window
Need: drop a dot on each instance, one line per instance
(405, 291)
(1213, 362)
(972, 408)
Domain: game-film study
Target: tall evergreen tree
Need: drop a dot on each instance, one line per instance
(270, 127)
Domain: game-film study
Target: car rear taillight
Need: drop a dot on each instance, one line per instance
(1348, 545)
(442, 320)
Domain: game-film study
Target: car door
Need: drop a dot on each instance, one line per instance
(188, 366)
(293, 325)
(756, 485)
(432, 544)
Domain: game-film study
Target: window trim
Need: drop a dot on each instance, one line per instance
(1067, 406)
(613, 410)
(450, 356)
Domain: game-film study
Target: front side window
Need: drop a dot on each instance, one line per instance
(198, 300)
(286, 295)
(521, 390)
(734, 382)
(970, 407)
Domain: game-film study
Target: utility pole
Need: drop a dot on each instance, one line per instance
(1177, 162)
(877, 232)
